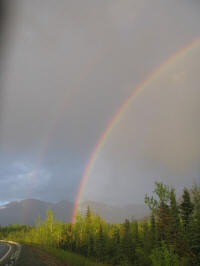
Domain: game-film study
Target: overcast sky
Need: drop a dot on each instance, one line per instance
(68, 66)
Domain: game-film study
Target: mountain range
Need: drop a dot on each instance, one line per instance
(27, 211)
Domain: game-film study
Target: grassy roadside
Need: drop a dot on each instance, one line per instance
(70, 258)
(32, 255)
(36, 255)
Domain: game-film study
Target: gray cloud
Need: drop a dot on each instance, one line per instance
(68, 68)
(156, 139)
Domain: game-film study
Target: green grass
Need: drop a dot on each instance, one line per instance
(70, 258)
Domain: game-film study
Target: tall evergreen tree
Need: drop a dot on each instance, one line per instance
(91, 252)
(175, 236)
(174, 209)
(135, 234)
(186, 208)
(101, 244)
(115, 246)
(153, 231)
(195, 224)
(127, 243)
(88, 214)
(163, 222)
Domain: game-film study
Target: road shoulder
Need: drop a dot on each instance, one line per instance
(35, 256)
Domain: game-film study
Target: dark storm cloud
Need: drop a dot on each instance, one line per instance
(69, 66)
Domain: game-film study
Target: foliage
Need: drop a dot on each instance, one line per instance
(71, 258)
(164, 256)
(171, 236)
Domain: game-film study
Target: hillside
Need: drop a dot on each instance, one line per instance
(28, 210)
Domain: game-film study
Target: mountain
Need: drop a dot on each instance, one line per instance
(27, 211)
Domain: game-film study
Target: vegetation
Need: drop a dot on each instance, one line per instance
(171, 236)
(70, 258)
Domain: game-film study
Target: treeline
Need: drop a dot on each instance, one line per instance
(171, 236)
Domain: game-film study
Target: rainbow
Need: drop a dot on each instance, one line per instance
(116, 118)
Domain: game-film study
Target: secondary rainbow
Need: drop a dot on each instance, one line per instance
(116, 118)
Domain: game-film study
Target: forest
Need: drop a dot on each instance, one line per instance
(170, 236)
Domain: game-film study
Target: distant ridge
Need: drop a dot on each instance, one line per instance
(114, 213)
(27, 211)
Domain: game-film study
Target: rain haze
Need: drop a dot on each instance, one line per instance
(68, 66)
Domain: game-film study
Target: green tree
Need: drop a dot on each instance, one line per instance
(163, 222)
(115, 250)
(159, 204)
(161, 197)
(101, 244)
(91, 252)
(164, 256)
(186, 208)
(127, 243)
(153, 231)
(174, 227)
(195, 224)
(88, 214)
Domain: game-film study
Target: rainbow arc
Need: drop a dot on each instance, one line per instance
(116, 118)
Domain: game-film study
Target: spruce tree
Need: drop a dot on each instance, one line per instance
(91, 252)
(127, 243)
(186, 208)
(174, 227)
(163, 222)
(116, 251)
(153, 231)
(136, 235)
(195, 224)
(88, 214)
(174, 210)
(101, 244)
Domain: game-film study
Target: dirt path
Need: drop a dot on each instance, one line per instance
(34, 256)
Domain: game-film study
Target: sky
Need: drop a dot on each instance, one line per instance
(67, 67)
